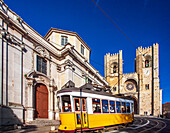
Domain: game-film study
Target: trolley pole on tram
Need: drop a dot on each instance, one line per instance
(81, 107)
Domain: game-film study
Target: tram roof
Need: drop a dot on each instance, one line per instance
(89, 88)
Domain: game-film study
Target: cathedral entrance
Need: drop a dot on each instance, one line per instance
(135, 105)
(41, 101)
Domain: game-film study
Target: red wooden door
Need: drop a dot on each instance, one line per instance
(41, 101)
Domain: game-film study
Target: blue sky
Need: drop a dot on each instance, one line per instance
(144, 21)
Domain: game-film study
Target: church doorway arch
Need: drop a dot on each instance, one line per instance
(41, 101)
(135, 105)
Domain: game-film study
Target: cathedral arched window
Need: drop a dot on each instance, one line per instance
(114, 69)
(146, 63)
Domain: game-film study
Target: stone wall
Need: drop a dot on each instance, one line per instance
(143, 84)
(20, 46)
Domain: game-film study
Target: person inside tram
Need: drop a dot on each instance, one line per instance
(68, 109)
(105, 109)
(97, 109)
(123, 110)
(112, 110)
(128, 109)
(118, 109)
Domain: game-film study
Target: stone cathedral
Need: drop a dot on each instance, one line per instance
(142, 85)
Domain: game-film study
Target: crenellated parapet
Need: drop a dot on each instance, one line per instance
(146, 50)
(114, 55)
(111, 61)
(143, 50)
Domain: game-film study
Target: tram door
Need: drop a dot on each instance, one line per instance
(80, 115)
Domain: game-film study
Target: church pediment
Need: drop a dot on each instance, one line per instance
(40, 78)
(35, 74)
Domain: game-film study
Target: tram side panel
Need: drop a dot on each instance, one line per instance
(100, 120)
(106, 119)
(67, 121)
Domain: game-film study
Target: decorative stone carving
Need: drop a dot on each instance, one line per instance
(58, 67)
(68, 64)
(42, 51)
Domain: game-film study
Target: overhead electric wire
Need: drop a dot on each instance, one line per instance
(97, 63)
(118, 80)
(119, 30)
(108, 68)
(115, 24)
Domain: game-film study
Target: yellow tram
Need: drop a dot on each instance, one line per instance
(91, 107)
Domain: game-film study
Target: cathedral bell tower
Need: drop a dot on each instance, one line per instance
(147, 68)
(114, 70)
(142, 85)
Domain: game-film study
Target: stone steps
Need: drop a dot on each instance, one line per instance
(42, 122)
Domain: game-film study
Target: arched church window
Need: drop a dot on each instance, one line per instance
(114, 69)
(146, 63)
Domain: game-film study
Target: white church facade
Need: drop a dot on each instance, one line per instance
(33, 68)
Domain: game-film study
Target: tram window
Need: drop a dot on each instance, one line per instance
(66, 103)
(78, 118)
(85, 118)
(84, 104)
(77, 104)
(105, 108)
(96, 105)
(58, 104)
(123, 107)
(112, 107)
(118, 105)
(128, 107)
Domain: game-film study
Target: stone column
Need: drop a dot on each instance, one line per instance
(29, 113)
(51, 111)
(51, 100)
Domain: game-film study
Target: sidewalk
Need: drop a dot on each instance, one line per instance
(34, 129)
(151, 117)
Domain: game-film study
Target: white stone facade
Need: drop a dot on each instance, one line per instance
(20, 47)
